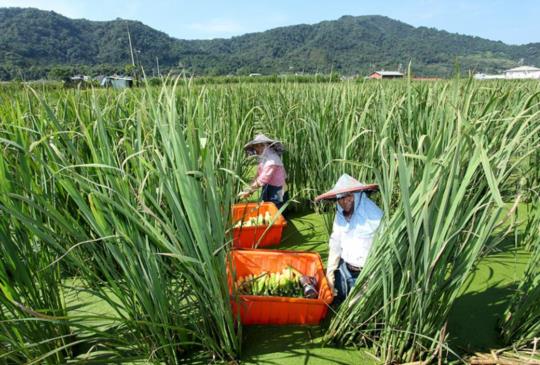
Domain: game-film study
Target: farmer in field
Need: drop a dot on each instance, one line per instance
(271, 173)
(357, 220)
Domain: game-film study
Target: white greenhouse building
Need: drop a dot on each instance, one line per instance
(523, 72)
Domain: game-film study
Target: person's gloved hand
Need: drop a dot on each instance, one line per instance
(330, 279)
(244, 194)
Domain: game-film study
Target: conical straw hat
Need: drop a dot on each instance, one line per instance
(346, 184)
(260, 139)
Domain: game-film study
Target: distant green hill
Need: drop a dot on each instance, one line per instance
(35, 43)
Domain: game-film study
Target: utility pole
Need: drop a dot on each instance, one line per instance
(130, 46)
(157, 63)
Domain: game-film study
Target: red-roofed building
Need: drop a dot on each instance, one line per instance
(386, 75)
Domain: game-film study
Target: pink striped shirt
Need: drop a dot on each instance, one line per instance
(270, 170)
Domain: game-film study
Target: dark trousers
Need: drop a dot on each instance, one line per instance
(271, 193)
(344, 280)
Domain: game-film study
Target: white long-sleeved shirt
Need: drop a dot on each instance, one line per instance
(351, 239)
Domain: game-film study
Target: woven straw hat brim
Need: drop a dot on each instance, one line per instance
(331, 194)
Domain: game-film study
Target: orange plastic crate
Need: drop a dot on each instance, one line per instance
(254, 309)
(256, 236)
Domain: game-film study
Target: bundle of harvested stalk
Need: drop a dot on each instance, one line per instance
(287, 283)
(260, 220)
(507, 356)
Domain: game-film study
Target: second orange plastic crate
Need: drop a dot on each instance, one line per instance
(254, 309)
(257, 236)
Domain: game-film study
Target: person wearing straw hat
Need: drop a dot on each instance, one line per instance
(356, 222)
(271, 173)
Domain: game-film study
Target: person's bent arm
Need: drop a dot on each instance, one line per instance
(262, 179)
(334, 255)
(265, 176)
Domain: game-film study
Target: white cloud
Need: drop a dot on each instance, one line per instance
(217, 27)
(64, 7)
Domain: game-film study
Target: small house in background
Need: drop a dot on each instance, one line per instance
(523, 72)
(488, 77)
(117, 82)
(74, 81)
(386, 75)
(77, 81)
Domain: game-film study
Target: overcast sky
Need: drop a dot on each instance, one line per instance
(513, 22)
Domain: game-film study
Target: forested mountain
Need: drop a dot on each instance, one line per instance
(36, 43)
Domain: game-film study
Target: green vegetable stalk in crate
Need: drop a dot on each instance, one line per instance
(287, 283)
(260, 220)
